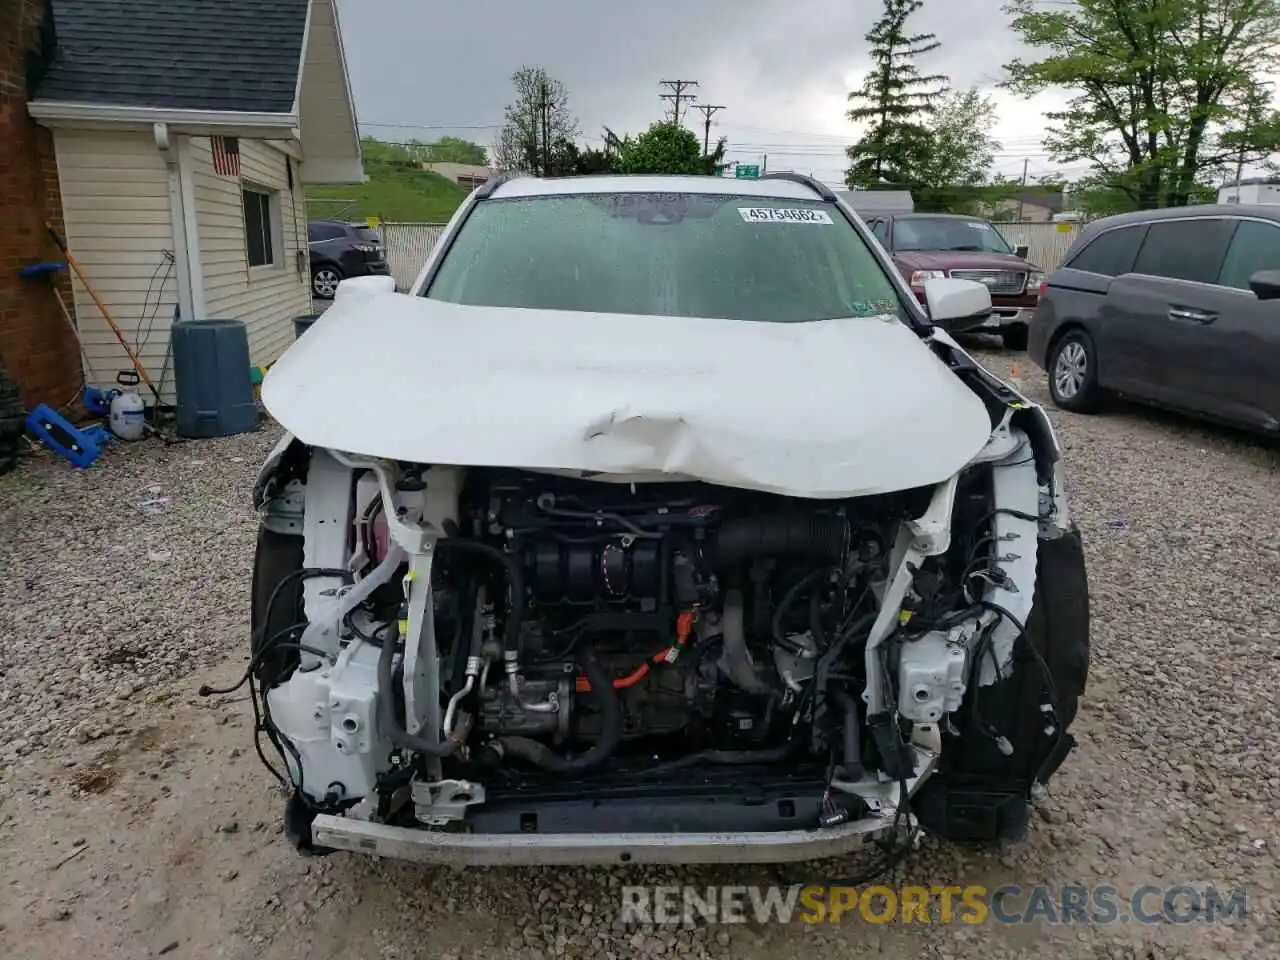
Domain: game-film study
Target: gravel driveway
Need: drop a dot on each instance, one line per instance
(136, 821)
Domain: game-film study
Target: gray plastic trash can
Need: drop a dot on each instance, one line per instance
(214, 383)
(303, 323)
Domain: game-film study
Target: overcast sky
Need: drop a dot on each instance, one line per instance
(782, 68)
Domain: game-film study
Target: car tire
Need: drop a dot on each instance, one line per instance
(1014, 336)
(12, 422)
(324, 281)
(1073, 373)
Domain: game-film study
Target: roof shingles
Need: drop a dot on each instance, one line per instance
(226, 55)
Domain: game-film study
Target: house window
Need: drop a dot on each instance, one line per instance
(261, 226)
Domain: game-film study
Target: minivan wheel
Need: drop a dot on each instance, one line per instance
(1014, 336)
(1073, 373)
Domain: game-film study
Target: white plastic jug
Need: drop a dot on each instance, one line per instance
(128, 415)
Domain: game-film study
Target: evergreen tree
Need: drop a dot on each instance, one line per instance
(896, 100)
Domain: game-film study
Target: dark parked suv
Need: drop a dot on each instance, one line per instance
(925, 246)
(340, 250)
(1177, 307)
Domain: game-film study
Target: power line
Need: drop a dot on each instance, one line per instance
(405, 125)
(707, 110)
(677, 94)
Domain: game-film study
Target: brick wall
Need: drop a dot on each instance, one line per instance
(37, 346)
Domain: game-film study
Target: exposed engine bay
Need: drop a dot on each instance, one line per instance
(505, 651)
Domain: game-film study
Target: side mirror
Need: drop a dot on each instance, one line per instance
(364, 287)
(957, 305)
(1021, 251)
(1265, 284)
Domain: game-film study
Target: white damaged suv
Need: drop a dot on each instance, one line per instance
(658, 522)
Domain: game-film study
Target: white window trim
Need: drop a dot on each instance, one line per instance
(274, 213)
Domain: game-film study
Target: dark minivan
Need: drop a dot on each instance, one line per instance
(1177, 307)
(340, 250)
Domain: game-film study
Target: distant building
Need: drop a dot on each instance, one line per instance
(866, 202)
(1027, 206)
(1254, 190)
(467, 175)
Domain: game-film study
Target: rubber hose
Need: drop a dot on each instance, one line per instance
(788, 599)
(828, 658)
(721, 758)
(823, 538)
(735, 659)
(387, 711)
(852, 735)
(515, 578)
(540, 755)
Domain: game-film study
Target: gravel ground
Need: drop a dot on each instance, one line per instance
(135, 820)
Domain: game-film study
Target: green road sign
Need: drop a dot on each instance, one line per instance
(745, 170)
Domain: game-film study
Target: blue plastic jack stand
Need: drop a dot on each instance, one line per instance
(80, 446)
(98, 402)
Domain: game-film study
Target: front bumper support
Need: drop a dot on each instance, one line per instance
(575, 849)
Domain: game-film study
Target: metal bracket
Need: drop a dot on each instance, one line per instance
(284, 512)
(884, 797)
(437, 804)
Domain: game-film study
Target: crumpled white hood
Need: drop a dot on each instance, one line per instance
(836, 408)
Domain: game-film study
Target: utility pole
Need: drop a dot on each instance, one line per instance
(1025, 164)
(677, 94)
(707, 110)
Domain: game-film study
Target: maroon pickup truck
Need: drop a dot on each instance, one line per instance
(925, 246)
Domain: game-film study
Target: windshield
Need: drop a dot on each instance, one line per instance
(685, 255)
(367, 235)
(947, 233)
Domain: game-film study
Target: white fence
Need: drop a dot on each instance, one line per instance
(408, 245)
(1049, 242)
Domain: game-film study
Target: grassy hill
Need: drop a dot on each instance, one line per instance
(394, 193)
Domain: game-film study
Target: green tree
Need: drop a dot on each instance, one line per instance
(534, 123)
(455, 150)
(895, 100)
(954, 167)
(1167, 94)
(590, 161)
(379, 152)
(667, 147)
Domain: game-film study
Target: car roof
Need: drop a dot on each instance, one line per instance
(764, 189)
(918, 215)
(1259, 211)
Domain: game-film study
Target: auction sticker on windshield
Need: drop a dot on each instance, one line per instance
(789, 215)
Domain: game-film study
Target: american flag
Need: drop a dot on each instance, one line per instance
(226, 156)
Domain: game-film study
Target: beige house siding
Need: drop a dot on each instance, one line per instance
(115, 198)
(266, 298)
(324, 89)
